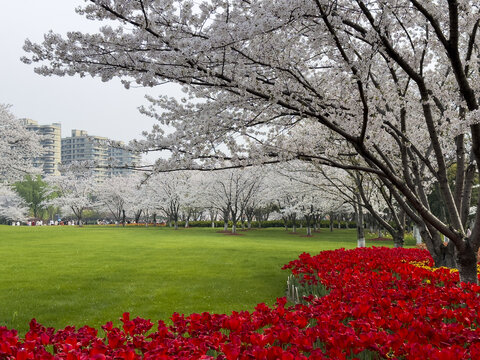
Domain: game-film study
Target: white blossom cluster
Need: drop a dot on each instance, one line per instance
(12, 206)
(18, 147)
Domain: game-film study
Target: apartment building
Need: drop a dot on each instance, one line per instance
(51, 141)
(83, 147)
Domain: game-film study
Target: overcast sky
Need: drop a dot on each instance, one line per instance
(103, 109)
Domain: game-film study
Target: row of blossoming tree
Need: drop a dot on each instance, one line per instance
(294, 191)
(236, 195)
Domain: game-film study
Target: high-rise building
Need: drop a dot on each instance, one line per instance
(83, 147)
(51, 136)
(121, 157)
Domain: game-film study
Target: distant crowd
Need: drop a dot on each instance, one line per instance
(44, 223)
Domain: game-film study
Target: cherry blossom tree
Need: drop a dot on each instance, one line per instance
(217, 194)
(193, 201)
(364, 193)
(204, 198)
(12, 206)
(170, 194)
(258, 203)
(281, 189)
(18, 146)
(73, 191)
(232, 191)
(308, 195)
(392, 82)
(141, 199)
(114, 195)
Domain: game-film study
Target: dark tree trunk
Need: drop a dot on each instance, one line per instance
(467, 263)
(448, 255)
(308, 220)
(175, 221)
(294, 223)
(443, 255)
(398, 239)
(123, 218)
(137, 216)
(234, 218)
(225, 219)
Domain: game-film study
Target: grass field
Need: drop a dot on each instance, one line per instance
(75, 276)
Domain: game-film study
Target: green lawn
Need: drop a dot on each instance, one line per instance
(76, 276)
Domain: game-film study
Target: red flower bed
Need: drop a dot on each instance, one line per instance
(383, 303)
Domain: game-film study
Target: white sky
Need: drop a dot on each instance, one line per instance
(103, 109)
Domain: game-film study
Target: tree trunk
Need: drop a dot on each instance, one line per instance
(448, 254)
(123, 218)
(416, 235)
(360, 229)
(308, 220)
(225, 219)
(467, 196)
(398, 240)
(234, 227)
(137, 216)
(443, 255)
(467, 263)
